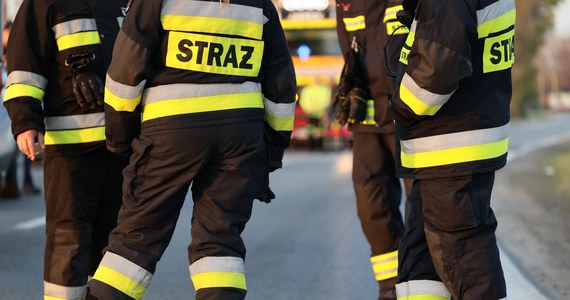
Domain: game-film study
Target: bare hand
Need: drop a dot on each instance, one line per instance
(26, 141)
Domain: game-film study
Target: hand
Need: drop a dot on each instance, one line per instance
(342, 109)
(267, 195)
(26, 141)
(358, 107)
(88, 89)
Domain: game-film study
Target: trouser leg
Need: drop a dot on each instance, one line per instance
(460, 231)
(72, 189)
(223, 200)
(154, 188)
(378, 195)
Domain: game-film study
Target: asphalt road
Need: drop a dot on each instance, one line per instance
(307, 244)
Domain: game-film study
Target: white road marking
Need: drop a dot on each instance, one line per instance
(31, 224)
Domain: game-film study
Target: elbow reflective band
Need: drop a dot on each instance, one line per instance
(75, 129)
(216, 272)
(421, 101)
(385, 266)
(455, 148)
(207, 17)
(59, 292)
(354, 24)
(122, 97)
(280, 116)
(409, 42)
(123, 275)
(75, 33)
(185, 98)
(422, 290)
(214, 54)
(25, 84)
(495, 23)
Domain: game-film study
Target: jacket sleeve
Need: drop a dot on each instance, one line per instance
(278, 86)
(29, 48)
(439, 58)
(127, 74)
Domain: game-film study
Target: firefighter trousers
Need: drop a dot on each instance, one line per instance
(226, 166)
(449, 248)
(83, 198)
(378, 196)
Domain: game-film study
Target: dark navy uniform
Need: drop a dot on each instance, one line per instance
(202, 93)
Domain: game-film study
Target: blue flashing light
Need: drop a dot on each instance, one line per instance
(304, 52)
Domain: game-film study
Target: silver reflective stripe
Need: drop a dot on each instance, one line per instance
(122, 90)
(63, 292)
(191, 90)
(422, 287)
(425, 96)
(120, 21)
(283, 110)
(494, 11)
(127, 268)
(414, 25)
(75, 121)
(455, 140)
(217, 264)
(213, 9)
(74, 26)
(29, 78)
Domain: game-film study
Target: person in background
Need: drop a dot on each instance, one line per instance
(452, 122)
(362, 101)
(200, 94)
(58, 53)
(10, 180)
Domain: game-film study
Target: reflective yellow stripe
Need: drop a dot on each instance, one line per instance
(353, 24)
(56, 298)
(409, 42)
(390, 13)
(385, 265)
(219, 279)
(121, 104)
(499, 52)
(23, 90)
(75, 136)
(455, 155)
(214, 54)
(78, 39)
(212, 25)
(120, 282)
(369, 113)
(497, 24)
(423, 297)
(396, 28)
(280, 123)
(416, 105)
(201, 104)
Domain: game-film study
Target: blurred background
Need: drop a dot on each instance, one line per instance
(308, 244)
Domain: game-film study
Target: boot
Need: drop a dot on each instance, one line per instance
(388, 289)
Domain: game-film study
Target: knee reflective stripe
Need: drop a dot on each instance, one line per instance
(123, 275)
(217, 272)
(59, 292)
(422, 290)
(280, 116)
(385, 266)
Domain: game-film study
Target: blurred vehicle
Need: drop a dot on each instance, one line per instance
(310, 30)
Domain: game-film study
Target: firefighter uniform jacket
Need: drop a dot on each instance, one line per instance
(452, 107)
(233, 60)
(369, 23)
(39, 87)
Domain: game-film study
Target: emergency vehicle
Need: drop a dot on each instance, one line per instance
(310, 30)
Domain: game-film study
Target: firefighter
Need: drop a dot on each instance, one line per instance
(362, 101)
(58, 53)
(199, 93)
(452, 122)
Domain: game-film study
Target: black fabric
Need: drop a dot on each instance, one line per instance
(450, 237)
(226, 168)
(83, 197)
(378, 191)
